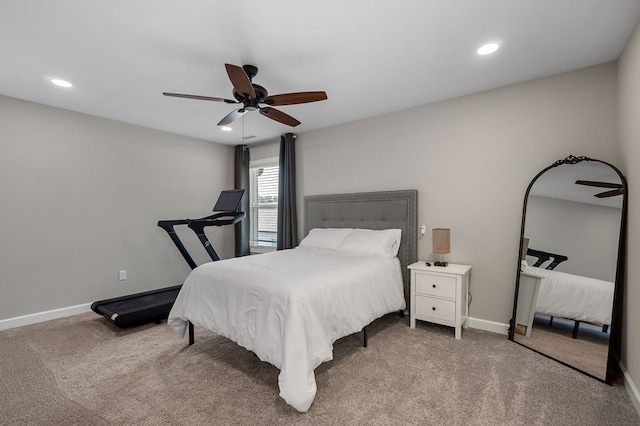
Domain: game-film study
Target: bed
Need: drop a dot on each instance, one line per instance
(581, 299)
(289, 307)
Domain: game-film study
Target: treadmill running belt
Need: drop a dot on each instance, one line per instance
(138, 308)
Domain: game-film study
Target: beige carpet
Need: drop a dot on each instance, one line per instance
(82, 370)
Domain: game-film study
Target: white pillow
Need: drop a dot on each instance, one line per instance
(325, 238)
(384, 242)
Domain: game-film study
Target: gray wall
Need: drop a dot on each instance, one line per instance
(586, 233)
(81, 197)
(471, 160)
(629, 160)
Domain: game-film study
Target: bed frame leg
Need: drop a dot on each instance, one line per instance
(401, 313)
(364, 336)
(191, 334)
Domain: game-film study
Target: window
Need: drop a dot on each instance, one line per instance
(263, 193)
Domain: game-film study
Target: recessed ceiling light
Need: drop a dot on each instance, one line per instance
(226, 128)
(61, 83)
(488, 48)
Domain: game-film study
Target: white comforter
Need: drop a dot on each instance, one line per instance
(288, 307)
(573, 296)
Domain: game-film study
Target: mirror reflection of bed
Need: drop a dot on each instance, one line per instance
(564, 306)
(572, 313)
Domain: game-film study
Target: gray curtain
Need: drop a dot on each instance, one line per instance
(241, 181)
(287, 217)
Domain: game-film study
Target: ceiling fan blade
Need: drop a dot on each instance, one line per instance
(280, 116)
(232, 116)
(598, 184)
(612, 193)
(240, 81)
(198, 97)
(295, 98)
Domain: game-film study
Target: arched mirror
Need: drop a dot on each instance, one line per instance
(568, 304)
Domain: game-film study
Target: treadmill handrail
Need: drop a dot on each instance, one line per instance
(168, 225)
(216, 220)
(198, 225)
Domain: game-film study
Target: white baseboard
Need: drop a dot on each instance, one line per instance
(631, 388)
(494, 327)
(8, 323)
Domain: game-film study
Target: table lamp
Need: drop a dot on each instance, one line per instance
(441, 244)
(525, 247)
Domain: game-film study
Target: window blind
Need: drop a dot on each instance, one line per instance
(263, 189)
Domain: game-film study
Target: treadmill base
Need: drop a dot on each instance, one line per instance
(138, 308)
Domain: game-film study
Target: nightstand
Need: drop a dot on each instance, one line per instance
(440, 295)
(527, 300)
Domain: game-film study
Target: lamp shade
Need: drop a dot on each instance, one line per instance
(441, 240)
(525, 246)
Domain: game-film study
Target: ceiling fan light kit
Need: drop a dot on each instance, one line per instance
(251, 96)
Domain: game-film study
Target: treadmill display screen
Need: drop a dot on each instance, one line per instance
(229, 200)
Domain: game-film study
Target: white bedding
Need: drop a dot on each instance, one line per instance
(288, 307)
(573, 296)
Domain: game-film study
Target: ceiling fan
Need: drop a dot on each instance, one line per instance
(251, 96)
(616, 188)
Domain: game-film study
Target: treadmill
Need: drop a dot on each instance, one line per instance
(154, 305)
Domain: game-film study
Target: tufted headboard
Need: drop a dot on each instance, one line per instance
(370, 210)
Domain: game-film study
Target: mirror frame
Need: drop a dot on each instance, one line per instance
(615, 338)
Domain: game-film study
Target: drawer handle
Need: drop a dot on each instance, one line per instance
(434, 308)
(434, 286)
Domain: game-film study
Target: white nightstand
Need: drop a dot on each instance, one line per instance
(527, 300)
(440, 295)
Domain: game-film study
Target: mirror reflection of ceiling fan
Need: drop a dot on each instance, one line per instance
(616, 188)
(251, 96)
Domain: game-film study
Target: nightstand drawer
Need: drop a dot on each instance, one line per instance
(435, 285)
(441, 309)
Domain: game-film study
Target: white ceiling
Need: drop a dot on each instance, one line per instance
(370, 56)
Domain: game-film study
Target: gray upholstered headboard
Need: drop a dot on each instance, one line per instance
(370, 210)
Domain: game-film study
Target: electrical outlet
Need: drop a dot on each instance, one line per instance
(122, 275)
